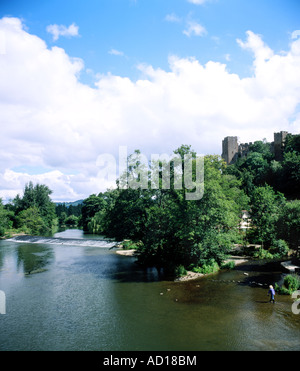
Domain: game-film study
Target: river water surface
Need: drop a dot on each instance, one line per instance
(75, 293)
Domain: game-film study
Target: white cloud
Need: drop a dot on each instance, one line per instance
(172, 18)
(64, 187)
(194, 28)
(61, 30)
(116, 52)
(227, 57)
(197, 2)
(51, 120)
(295, 34)
(255, 43)
(2, 43)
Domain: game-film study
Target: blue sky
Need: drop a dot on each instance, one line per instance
(80, 78)
(148, 31)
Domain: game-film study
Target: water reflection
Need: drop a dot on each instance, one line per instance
(33, 258)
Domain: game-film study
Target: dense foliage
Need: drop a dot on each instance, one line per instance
(69, 214)
(259, 168)
(156, 214)
(175, 233)
(34, 213)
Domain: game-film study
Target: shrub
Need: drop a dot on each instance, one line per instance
(180, 271)
(129, 244)
(279, 249)
(291, 283)
(228, 265)
(207, 267)
(263, 254)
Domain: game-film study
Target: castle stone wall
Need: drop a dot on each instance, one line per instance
(231, 150)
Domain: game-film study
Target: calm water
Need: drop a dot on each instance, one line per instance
(86, 297)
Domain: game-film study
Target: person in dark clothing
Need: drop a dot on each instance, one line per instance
(271, 292)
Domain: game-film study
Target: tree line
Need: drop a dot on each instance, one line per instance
(33, 213)
(69, 214)
(171, 232)
(175, 233)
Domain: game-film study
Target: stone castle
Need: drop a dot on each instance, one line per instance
(232, 150)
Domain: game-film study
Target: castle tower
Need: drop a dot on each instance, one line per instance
(279, 139)
(230, 149)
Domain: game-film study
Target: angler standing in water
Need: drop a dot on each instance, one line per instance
(271, 292)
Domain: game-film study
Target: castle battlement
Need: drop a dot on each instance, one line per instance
(232, 150)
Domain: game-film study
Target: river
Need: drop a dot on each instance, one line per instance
(75, 293)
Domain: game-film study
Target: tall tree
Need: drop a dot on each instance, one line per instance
(266, 205)
(173, 229)
(289, 224)
(6, 217)
(36, 199)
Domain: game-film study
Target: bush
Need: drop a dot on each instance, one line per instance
(291, 283)
(207, 267)
(279, 249)
(180, 271)
(228, 265)
(129, 244)
(262, 254)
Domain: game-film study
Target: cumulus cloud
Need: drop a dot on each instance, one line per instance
(51, 120)
(62, 30)
(255, 43)
(116, 52)
(64, 186)
(172, 17)
(194, 28)
(197, 2)
(295, 34)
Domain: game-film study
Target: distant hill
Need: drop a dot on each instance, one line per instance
(74, 203)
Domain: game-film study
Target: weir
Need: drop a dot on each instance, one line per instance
(64, 241)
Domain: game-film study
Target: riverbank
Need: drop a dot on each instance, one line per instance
(193, 275)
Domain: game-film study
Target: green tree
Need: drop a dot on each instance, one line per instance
(289, 224)
(72, 220)
(90, 207)
(291, 174)
(262, 147)
(5, 219)
(127, 218)
(31, 220)
(266, 205)
(62, 218)
(292, 143)
(95, 210)
(173, 230)
(256, 165)
(37, 199)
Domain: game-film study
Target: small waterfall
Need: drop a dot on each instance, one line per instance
(64, 241)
